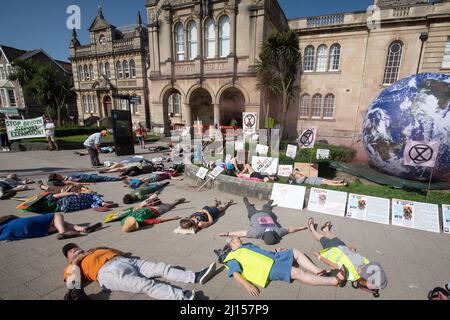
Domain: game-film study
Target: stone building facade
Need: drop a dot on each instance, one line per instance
(110, 69)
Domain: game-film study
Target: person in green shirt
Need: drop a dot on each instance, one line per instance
(143, 192)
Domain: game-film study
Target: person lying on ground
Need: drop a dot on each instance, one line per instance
(251, 266)
(116, 272)
(15, 228)
(231, 167)
(14, 180)
(8, 190)
(300, 178)
(102, 150)
(149, 213)
(158, 176)
(163, 148)
(336, 253)
(205, 217)
(78, 188)
(249, 172)
(59, 180)
(144, 192)
(263, 225)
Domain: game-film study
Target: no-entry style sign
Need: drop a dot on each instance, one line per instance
(250, 122)
(422, 154)
(307, 139)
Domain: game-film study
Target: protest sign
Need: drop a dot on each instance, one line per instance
(446, 218)
(216, 172)
(308, 169)
(262, 149)
(307, 139)
(327, 201)
(284, 170)
(291, 151)
(288, 196)
(201, 173)
(422, 154)
(250, 122)
(265, 165)
(416, 215)
(25, 129)
(323, 154)
(239, 145)
(368, 208)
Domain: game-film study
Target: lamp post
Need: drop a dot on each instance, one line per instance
(423, 37)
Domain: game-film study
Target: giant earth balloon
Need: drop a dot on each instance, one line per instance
(415, 108)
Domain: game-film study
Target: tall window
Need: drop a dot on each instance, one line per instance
(308, 59)
(321, 58)
(328, 107)
(393, 61)
(305, 105)
(133, 69)
(446, 59)
(2, 73)
(210, 39)
(3, 97)
(224, 36)
(84, 104)
(86, 73)
(102, 69)
(81, 73)
(89, 100)
(316, 111)
(126, 70)
(335, 57)
(192, 40)
(119, 70)
(91, 72)
(179, 41)
(107, 71)
(175, 104)
(123, 104)
(12, 98)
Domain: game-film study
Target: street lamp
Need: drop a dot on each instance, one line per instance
(423, 37)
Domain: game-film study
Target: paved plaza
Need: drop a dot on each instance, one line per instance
(414, 261)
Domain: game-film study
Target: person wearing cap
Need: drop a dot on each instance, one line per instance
(336, 253)
(251, 266)
(92, 145)
(263, 225)
(114, 271)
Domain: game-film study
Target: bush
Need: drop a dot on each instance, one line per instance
(75, 131)
(337, 153)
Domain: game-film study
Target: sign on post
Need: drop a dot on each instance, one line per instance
(202, 172)
(422, 154)
(307, 139)
(265, 165)
(285, 170)
(250, 120)
(262, 149)
(25, 129)
(323, 154)
(291, 151)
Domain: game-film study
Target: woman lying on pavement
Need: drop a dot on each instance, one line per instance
(15, 228)
(157, 176)
(300, 178)
(59, 180)
(249, 172)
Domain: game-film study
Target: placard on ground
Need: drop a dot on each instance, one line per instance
(327, 201)
(446, 218)
(288, 196)
(415, 215)
(308, 169)
(367, 208)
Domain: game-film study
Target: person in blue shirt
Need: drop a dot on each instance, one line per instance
(92, 145)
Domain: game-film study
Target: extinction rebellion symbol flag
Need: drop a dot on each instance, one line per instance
(421, 154)
(307, 139)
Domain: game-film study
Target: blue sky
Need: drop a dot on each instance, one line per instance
(27, 24)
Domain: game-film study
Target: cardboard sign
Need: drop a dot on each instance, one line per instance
(285, 170)
(201, 173)
(308, 169)
(239, 145)
(307, 139)
(288, 196)
(262, 149)
(421, 154)
(327, 201)
(265, 165)
(250, 121)
(368, 208)
(25, 129)
(291, 151)
(446, 218)
(415, 215)
(323, 154)
(216, 172)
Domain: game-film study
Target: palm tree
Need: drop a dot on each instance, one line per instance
(277, 71)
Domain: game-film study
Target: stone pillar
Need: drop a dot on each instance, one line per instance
(216, 114)
(187, 115)
(198, 22)
(233, 32)
(217, 40)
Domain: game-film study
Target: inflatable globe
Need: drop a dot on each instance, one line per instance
(415, 108)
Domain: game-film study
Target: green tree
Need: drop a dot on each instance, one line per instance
(45, 84)
(277, 70)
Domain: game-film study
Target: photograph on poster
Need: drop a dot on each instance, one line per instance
(327, 201)
(415, 215)
(367, 208)
(288, 196)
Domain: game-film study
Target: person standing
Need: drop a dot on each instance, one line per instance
(92, 145)
(50, 134)
(140, 135)
(4, 136)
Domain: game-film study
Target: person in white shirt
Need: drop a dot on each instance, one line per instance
(92, 145)
(50, 134)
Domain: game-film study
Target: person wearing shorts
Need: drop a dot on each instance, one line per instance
(206, 217)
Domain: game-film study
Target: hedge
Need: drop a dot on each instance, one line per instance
(75, 131)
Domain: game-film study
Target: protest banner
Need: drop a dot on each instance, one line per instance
(291, 151)
(265, 165)
(415, 215)
(288, 196)
(422, 154)
(327, 201)
(446, 218)
(285, 170)
(368, 208)
(250, 122)
(323, 154)
(25, 129)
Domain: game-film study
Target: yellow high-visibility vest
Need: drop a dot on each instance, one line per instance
(337, 256)
(255, 266)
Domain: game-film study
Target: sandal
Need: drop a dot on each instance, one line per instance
(93, 228)
(68, 235)
(310, 222)
(326, 225)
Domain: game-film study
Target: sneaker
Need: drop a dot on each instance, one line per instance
(206, 274)
(189, 295)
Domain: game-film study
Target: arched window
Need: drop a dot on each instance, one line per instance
(305, 102)
(328, 107)
(107, 71)
(192, 40)
(394, 57)
(126, 70)
(224, 36)
(210, 39)
(316, 111)
(133, 69)
(175, 104)
(119, 70)
(81, 73)
(86, 73)
(335, 57)
(102, 69)
(91, 72)
(179, 41)
(308, 59)
(321, 58)
(89, 99)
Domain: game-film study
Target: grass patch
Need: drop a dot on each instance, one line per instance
(82, 138)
